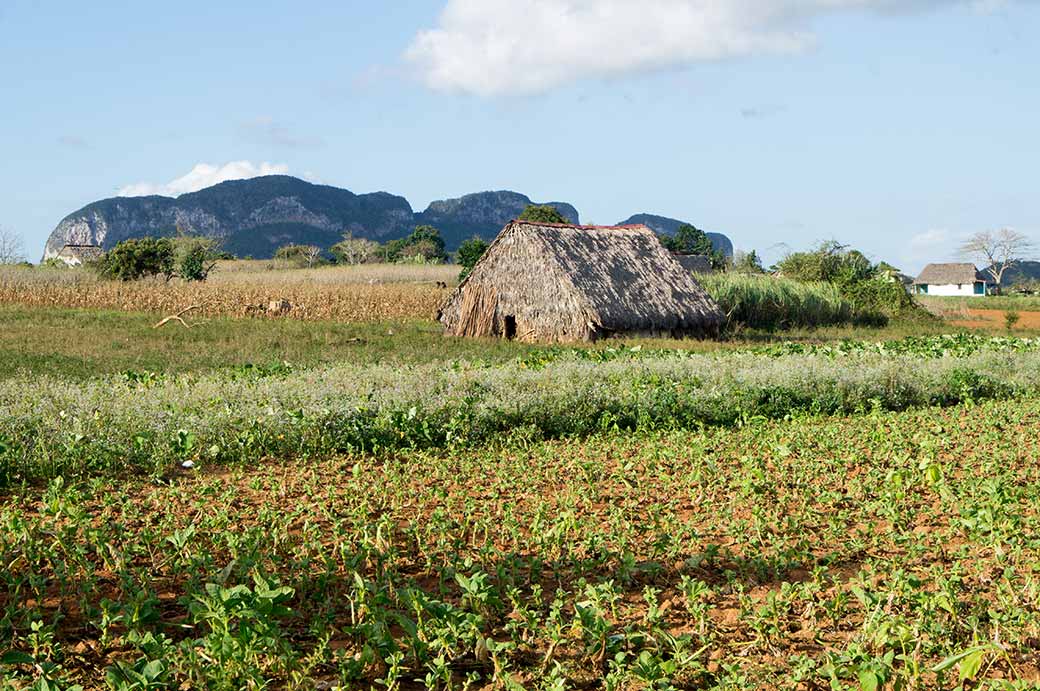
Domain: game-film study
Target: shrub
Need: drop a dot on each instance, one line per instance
(748, 263)
(138, 258)
(874, 300)
(862, 283)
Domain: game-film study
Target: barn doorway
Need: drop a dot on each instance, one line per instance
(510, 327)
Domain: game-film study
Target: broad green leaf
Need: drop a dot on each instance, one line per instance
(15, 657)
(970, 665)
(868, 681)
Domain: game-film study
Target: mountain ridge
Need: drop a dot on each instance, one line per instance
(254, 217)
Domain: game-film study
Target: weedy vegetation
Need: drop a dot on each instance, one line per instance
(883, 550)
(309, 504)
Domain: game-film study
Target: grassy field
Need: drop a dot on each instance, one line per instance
(990, 302)
(80, 343)
(351, 500)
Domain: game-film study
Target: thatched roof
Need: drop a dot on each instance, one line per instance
(694, 263)
(562, 282)
(950, 274)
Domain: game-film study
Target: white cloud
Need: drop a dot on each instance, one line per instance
(204, 175)
(492, 47)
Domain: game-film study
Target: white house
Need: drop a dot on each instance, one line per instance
(952, 279)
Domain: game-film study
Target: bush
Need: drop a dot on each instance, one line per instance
(830, 262)
(874, 300)
(138, 258)
(864, 284)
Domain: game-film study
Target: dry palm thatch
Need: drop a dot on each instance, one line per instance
(947, 274)
(550, 282)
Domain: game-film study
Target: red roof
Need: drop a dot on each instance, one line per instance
(632, 226)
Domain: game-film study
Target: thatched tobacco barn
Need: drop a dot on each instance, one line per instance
(549, 282)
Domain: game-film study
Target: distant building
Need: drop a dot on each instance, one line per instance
(895, 276)
(952, 279)
(77, 255)
(694, 263)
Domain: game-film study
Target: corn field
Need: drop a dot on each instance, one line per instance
(352, 294)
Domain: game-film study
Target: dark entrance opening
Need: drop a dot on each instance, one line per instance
(510, 327)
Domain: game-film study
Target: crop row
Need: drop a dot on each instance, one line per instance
(956, 345)
(894, 551)
(145, 423)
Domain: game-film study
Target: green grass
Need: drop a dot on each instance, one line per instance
(82, 344)
(1026, 303)
(770, 302)
(886, 550)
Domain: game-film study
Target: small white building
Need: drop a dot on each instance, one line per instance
(953, 279)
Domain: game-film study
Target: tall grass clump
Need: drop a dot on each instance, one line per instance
(771, 302)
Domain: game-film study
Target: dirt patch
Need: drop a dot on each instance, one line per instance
(994, 319)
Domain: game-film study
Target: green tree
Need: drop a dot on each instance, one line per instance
(748, 263)
(430, 241)
(424, 244)
(138, 258)
(195, 257)
(543, 214)
(469, 254)
(689, 239)
(390, 252)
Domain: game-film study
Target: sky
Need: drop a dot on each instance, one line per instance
(895, 126)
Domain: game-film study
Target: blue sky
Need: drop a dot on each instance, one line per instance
(897, 126)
